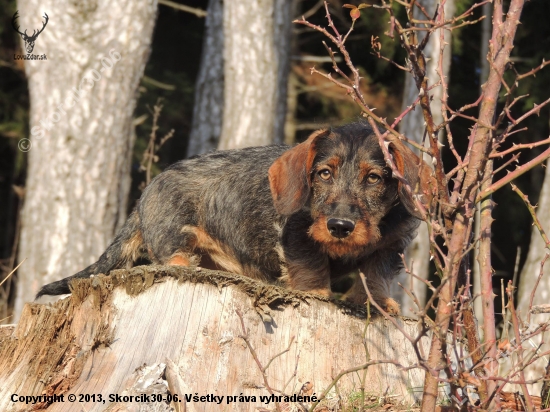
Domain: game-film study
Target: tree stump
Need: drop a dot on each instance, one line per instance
(171, 331)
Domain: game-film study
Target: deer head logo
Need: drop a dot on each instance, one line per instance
(29, 40)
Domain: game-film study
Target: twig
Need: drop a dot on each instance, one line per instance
(516, 147)
(532, 297)
(533, 214)
(534, 71)
(150, 153)
(12, 272)
(513, 175)
(193, 10)
(538, 309)
(246, 339)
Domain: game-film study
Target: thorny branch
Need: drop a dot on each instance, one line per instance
(459, 190)
(263, 369)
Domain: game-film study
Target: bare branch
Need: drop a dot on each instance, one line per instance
(193, 10)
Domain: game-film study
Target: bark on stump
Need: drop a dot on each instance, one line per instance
(115, 335)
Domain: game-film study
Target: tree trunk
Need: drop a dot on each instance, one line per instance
(528, 278)
(256, 59)
(186, 326)
(208, 108)
(413, 127)
(82, 100)
(291, 109)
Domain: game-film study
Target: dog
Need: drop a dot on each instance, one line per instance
(303, 216)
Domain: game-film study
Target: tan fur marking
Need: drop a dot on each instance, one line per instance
(323, 292)
(352, 246)
(217, 252)
(333, 163)
(392, 307)
(131, 248)
(178, 260)
(281, 253)
(366, 168)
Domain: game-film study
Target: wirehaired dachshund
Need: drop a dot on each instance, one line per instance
(304, 215)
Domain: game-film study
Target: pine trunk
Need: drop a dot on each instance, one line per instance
(208, 108)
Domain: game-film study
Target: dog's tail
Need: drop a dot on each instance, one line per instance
(125, 248)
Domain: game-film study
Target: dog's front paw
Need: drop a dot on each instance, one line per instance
(392, 307)
(327, 293)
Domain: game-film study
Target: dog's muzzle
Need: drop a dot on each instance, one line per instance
(340, 228)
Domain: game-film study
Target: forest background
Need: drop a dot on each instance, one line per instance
(312, 102)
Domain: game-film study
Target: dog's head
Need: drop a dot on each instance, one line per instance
(340, 176)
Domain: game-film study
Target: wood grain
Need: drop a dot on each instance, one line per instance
(94, 341)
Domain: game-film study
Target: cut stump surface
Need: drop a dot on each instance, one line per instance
(173, 330)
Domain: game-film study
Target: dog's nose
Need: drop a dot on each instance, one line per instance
(340, 228)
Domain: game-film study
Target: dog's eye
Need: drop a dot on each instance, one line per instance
(373, 178)
(324, 174)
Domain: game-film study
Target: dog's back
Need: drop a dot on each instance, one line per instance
(217, 206)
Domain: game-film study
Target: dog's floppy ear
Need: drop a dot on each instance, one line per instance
(417, 173)
(289, 175)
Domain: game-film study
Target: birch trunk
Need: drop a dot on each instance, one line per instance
(82, 100)
(256, 66)
(528, 277)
